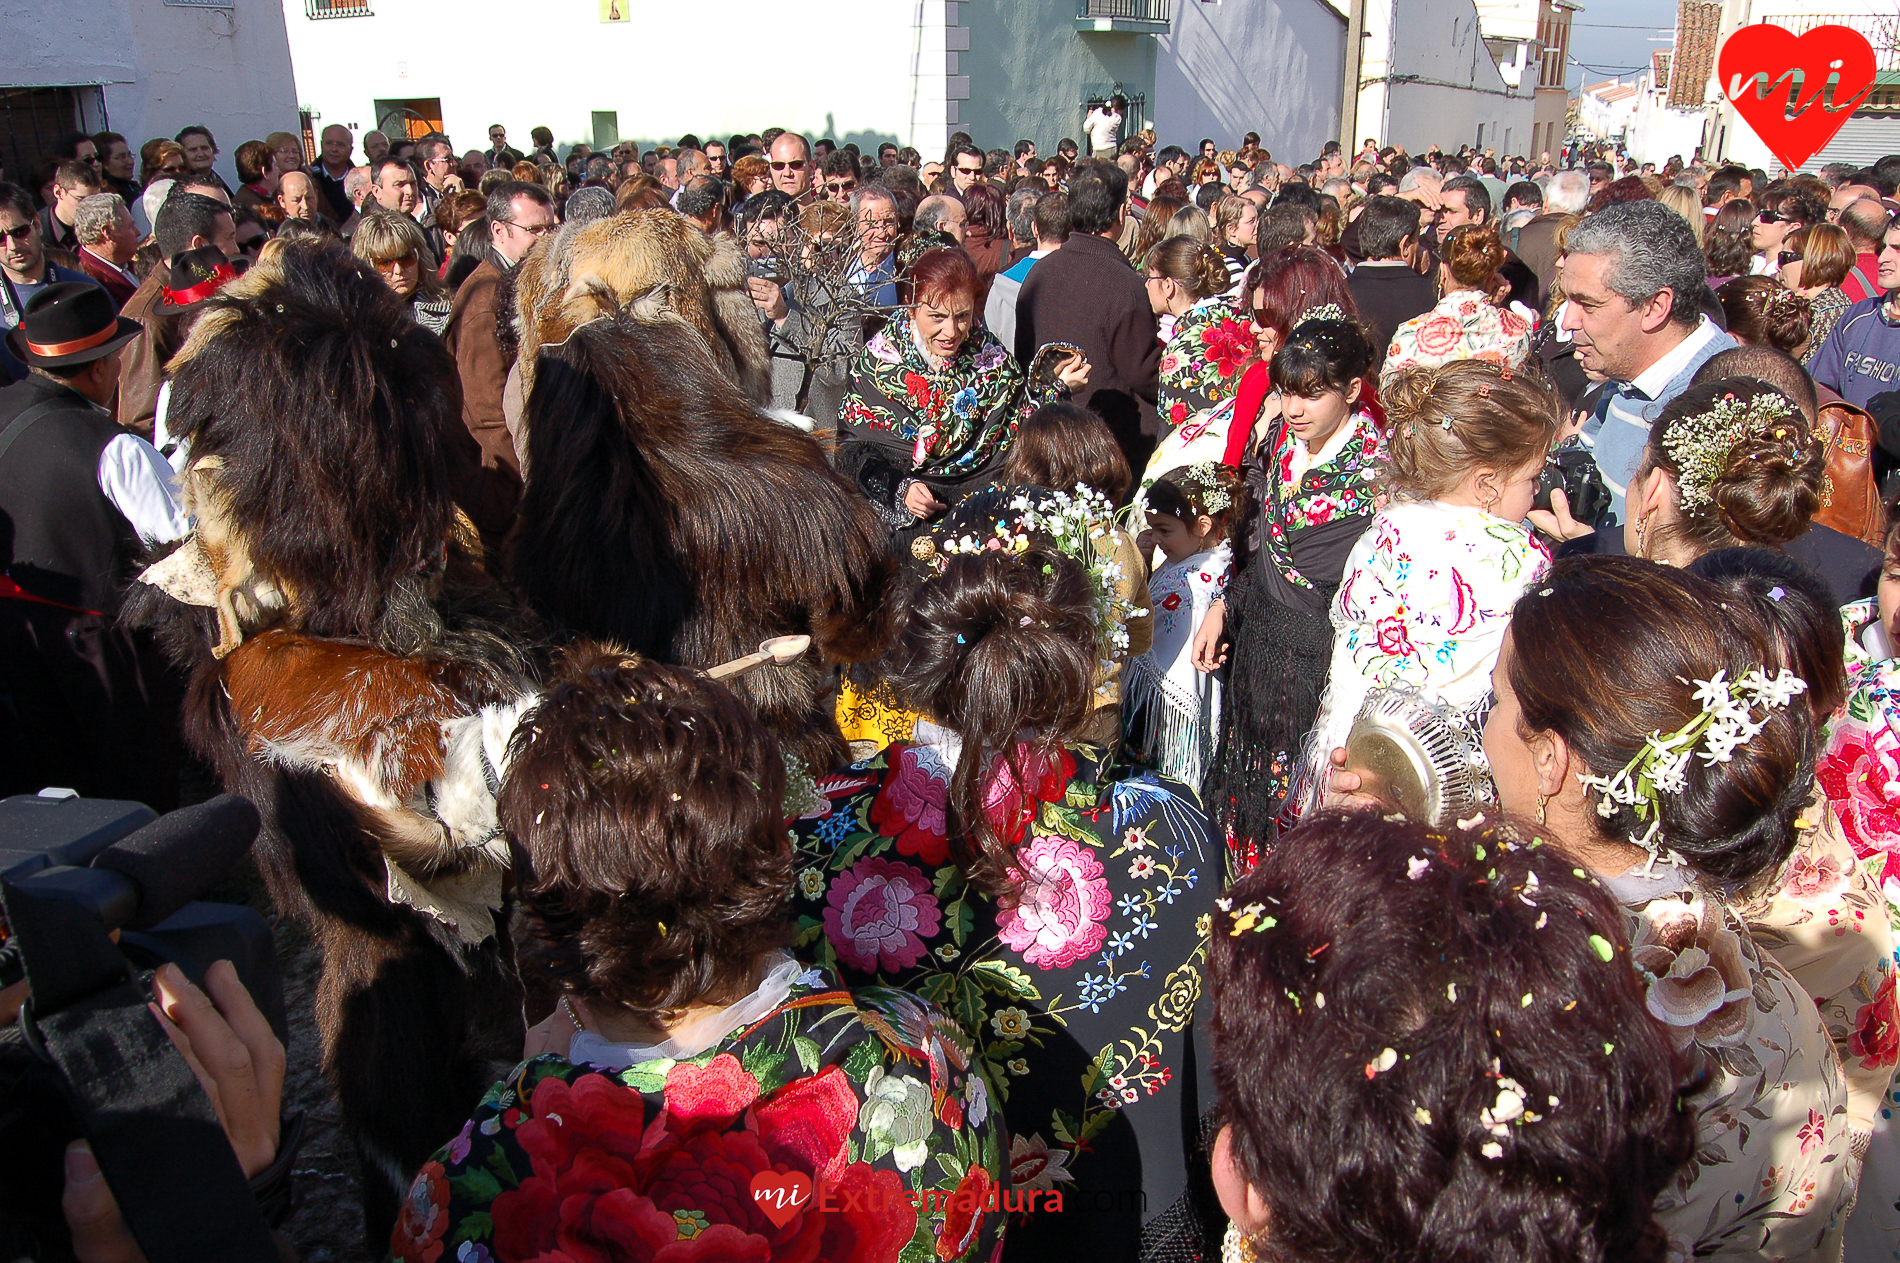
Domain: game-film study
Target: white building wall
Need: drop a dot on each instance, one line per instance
(160, 67)
(1234, 66)
(1429, 79)
(871, 71)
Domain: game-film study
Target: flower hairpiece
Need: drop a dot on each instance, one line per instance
(1723, 725)
(1322, 311)
(1214, 497)
(1700, 445)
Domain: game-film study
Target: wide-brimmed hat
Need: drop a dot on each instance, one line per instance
(196, 275)
(70, 322)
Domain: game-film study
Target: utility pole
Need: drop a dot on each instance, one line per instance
(1349, 80)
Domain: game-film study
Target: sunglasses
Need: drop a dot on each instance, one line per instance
(961, 170)
(18, 236)
(400, 261)
(796, 164)
(1786, 257)
(839, 186)
(1769, 217)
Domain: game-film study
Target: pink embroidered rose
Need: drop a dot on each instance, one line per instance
(1321, 510)
(878, 913)
(909, 808)
(1865, 794)
(1393, 640)
(1061, 913)
(1814, 879)
(1170, 364)
(1876, 1037)
(1439, 335)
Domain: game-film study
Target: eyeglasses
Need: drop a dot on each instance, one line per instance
(19, 236)
(171, 170)
(1769, 217)
(254, 243)
(1786, 257)
(839, 186)
(537, 230)
(796, 164)
(93, 158)
(399, 261)
(963, 170)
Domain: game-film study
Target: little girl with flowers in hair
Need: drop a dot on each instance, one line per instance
(1173, 707)
(1312, 480)
(1428, 589)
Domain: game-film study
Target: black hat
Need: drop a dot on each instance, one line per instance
(196, 275)
(71, 322)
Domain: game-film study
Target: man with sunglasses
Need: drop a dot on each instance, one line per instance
(840, 176)
(519, 216)
(790, 161)
(24, 268)
(966, 168)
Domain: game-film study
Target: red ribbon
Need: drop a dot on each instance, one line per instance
(11, 591)
(219, 278)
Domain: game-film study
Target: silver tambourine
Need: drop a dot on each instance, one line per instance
(1421, 756)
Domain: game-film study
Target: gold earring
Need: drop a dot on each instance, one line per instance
(1541, 800)
(1235, 1247)
(1642, 537)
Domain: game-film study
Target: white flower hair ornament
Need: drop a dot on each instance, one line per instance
(1214, 497)
(1700, 445)
(1726, 723)
(1321, 311)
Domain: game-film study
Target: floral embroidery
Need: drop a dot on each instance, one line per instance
(1057, 919)
(1464, 325)
(1876, 1038)
(1345, 486)
(1201, 366)
(656, 1161)
(879, 914)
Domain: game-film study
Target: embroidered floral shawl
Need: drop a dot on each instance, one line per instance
(948, 420)
(1202, 364)
(1346, 486)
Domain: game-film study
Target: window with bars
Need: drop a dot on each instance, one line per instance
(337, 9)
(34, 120)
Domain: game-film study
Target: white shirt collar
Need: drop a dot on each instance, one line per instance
(1652, 379)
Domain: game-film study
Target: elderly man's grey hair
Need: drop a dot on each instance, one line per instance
(872, 193)
(1021, 213)
(588, 203)
(933, 210)
(1568, 192)
(96, 215)
(1646, 248)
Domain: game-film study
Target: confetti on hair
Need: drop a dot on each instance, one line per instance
(1319, 999)
(1492, 1150)
(1472, 823)
(1386, 1059)
(1525, 1003)
(1608, 1049)
(1775, 594)
(1422, 1115)
(1543, 919)
(1601, 946)
(1451, 992)
(1417, 867)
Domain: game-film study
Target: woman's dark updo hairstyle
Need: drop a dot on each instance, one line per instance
(998, 646)
(1062, 444)
(1606, 650)
(1796, 606)
(1769, 487)
(1193, 265)
(1763, 312)
(1473, 254)
(1728, 247)
(645, 805)
(1321, 356)
(1469, 975)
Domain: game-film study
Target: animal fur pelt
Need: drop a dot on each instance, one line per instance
(666, 514)
(355, 675)
(653, 265)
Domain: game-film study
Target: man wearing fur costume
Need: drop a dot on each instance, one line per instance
(357, 677)
(663, 510)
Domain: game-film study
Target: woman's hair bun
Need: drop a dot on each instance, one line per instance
(1474, 254)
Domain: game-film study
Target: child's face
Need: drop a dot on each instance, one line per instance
(1179, 540)
(1313, 421)
(1516, 491)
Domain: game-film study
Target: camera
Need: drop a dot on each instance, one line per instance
(770, 268)
(1573, 467)
(85, 1058)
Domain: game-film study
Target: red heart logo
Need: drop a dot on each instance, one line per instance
(781, 1196)
(1823, 53)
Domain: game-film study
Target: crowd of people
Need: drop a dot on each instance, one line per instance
(1036, 901)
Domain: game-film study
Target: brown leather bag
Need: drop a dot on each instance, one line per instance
(1854, 507)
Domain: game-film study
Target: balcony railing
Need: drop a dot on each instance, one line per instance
(1149, 16)
(337, 9)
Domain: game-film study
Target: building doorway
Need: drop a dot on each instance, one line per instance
(411, 118)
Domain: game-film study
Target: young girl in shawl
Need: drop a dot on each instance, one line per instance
(1428, 590)
(1173, 707)
(1312, 479)
(934, 399)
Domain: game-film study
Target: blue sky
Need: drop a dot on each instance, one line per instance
(1611, 35)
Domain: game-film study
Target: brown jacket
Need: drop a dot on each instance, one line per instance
(1537, 246)
(142, 366)
(473, 341)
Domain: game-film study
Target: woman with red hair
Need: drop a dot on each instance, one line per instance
(934, 399)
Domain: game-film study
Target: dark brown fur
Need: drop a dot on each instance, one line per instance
(666, 514)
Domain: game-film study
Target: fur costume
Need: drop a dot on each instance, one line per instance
(665, 513)
(357, 677)
(656, 266)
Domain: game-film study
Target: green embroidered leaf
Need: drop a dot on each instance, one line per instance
(859, 1061)
(1002, 1049)
(953, 1166)
(648, 1076)
(1097, 1074)
(477, 1186)
(1064, 1130)
(809, 932)
(936, 988)
(969, 1006)
(498, 1163)
(876, 1145)
(807, 1052)
(1092, 1123)
(945, 878)
(762, 1064)
(1005, 979)
(476, 1226)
